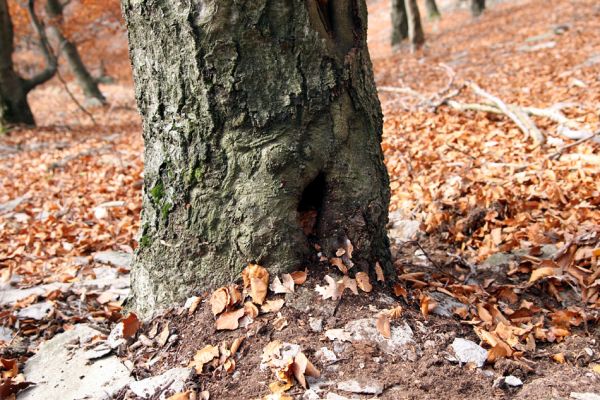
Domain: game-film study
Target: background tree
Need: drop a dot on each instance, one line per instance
(433, 11)
(415, 29)
(477, 7)
(14, 108)
(54, 10)
(399, 22)
(262, 127)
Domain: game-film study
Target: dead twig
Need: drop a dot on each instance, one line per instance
(559, 152)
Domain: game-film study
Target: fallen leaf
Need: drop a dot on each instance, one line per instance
(194, 303)
(299, 277)
(559, 358)
(395, 312)
(363, 282)
(542, 272)
(164, 335)
(383, 325)
(256, 278)
(349, 283)
(181, 396)
(203, 356)
(340, 264)
(400, 290)
(272, 306)
(331, 291)
(236, 345)
(379, 272)
(303, 367)
(279, 323)
(219, 300)
(131, 324)
(287, 286)
(250, 309)
(230, 320)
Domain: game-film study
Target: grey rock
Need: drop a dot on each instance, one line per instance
(11, 205)
(499, 259)
(36, 311)
(11, 296)
(171, 380)
(310, 394)
(361, 387)
(512, 380)
(63, 373)
(316, 324)
(6, 334)
(467, 351)
(400, 343)
(335, 396)
(445, 304)
(584, 396)
(326, 356)
(116, 258)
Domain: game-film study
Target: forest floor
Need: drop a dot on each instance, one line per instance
(496, 241)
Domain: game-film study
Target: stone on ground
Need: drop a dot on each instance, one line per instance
(171, 380)
(60, 370)
(467, 351)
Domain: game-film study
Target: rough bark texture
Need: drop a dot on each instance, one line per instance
(54, 9)
(14, 108)
(433, 11)
(253, 113)
(477, 7)
(399, 22)
(415, 29)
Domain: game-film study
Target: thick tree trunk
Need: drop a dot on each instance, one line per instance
(477, 7)
(415, 29)
(255, 115)
(433, 11)
(399, 22)
(14, 108)
(86, 82)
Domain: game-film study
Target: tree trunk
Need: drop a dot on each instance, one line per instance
(399, 22)
(415, 29)
(477, 7)
(257, 115)
(86, 82)
(433, 11)
(14, 108)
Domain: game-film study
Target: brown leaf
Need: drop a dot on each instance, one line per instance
(164, 335)
(203, 356)
(256, 278)
(340, 264)
(332, 291)
(299, 277)
(363, 281)
(219, 300)
(131, 324)
(542, 272)
(236, 345)
(303, 367)
(349, 283)
(181, 396)
(379, 272)
(250, 309)
(272, 306)
(383, 325)
(230, 320)
(287, 286)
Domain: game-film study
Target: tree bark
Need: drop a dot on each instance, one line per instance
(399, 22)
(54, 9)
(433, 11)
(415, 29)
(477, 7)
(256, 114)
(14, 108)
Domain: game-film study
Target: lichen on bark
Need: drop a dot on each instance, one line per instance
(244, 105)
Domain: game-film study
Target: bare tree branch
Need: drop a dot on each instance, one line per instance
(51, 61)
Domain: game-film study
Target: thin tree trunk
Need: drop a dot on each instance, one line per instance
(415, 29)
(84, 79)
(477, 7)
(14, 108)
(256, 116)
(399, 22)
(432, 9)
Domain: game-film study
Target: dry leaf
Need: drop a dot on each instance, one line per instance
(164, 335)
(279, 323)
(542, 272)
(299, 277)
(236, 345)
(379, 272)
(219, 300)
(287, 286)
(181, 396)
(363, 281)
(230, 320)
(256, 279)
(340, 264)
(303, 367)
(399, 290)
(395, 312)
(193, 304)
(383, 325)
(258, 290)
(559, 358)
(272, 306)
(250, 309)
(331, 291)
(203, 356)
(349, 283)
(131, 324)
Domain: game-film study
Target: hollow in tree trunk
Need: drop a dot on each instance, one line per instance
(14, 108)
(399, 22)
(477, 7)
(415, 29)
(89, 86)
(258, 116)
(433, 11)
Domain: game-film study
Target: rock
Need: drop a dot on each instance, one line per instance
(335, 396)
(36, 311)
(310, 394)
(445, 304)
(326, 356)
(316, 324)
(585, 396)
(171, 380)
(499, 260)
(6, 334)
(11, 296)
(512, 380)
(63, 373)
(400, 343)
(116, 258)
(467, 351)
(362, 387)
